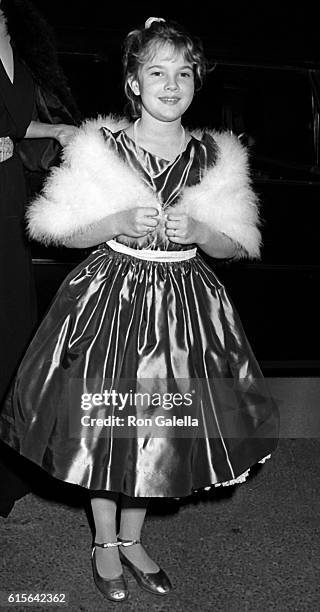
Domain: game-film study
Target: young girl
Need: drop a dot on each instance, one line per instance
(140, 381)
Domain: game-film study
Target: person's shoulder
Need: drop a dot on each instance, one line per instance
(108, 136)
(94, 138)
(223, 144)
(204, 136)
(205, 140)
(100, 130)
(107, 124)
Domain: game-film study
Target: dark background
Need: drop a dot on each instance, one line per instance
(260, 29)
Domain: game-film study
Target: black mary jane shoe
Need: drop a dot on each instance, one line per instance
(114, 589)
(157, 583)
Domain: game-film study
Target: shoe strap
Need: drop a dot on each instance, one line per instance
(128, 542)
(106, 544)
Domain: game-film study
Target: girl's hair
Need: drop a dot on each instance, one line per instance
(142, 43)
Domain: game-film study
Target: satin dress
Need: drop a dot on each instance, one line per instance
(194, 411)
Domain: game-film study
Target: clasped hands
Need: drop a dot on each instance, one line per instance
(177, 225)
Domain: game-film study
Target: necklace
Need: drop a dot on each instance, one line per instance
(181, 145)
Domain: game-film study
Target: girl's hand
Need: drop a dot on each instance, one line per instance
(136, 222)
(183, 229)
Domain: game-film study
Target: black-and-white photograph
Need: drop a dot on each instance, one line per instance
(159, 274)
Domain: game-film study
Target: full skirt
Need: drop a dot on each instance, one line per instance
(141, 380)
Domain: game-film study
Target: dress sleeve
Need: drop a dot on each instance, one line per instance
(109, 138)
(212, 149)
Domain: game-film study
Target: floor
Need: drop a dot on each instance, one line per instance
(250, 548)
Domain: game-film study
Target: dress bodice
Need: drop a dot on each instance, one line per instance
(166, 179)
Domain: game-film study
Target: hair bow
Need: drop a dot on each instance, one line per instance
(151, 20)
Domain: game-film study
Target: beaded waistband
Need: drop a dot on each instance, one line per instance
(6, 148)
(149, 255)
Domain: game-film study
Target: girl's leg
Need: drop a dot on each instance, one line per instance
(133, 511)
(104, 508)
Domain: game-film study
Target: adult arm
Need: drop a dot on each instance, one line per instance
(60, 131)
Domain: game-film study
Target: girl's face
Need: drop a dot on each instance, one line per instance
(165, 84)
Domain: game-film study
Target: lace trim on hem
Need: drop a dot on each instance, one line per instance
(227, 483)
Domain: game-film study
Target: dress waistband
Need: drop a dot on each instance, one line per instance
(6, 148)
(150, 255)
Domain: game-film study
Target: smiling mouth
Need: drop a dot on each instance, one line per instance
(169, 100)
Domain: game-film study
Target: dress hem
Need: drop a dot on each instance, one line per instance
(228, 483)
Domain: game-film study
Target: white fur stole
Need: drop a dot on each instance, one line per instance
(93, 182)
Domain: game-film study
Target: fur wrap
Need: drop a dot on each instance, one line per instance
(93, 182)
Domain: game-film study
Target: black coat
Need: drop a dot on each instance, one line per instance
(17, 297)
(20, 176)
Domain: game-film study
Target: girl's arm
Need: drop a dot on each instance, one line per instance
(60, 131)
(217, 245)
(183, 229)
(96, 233)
